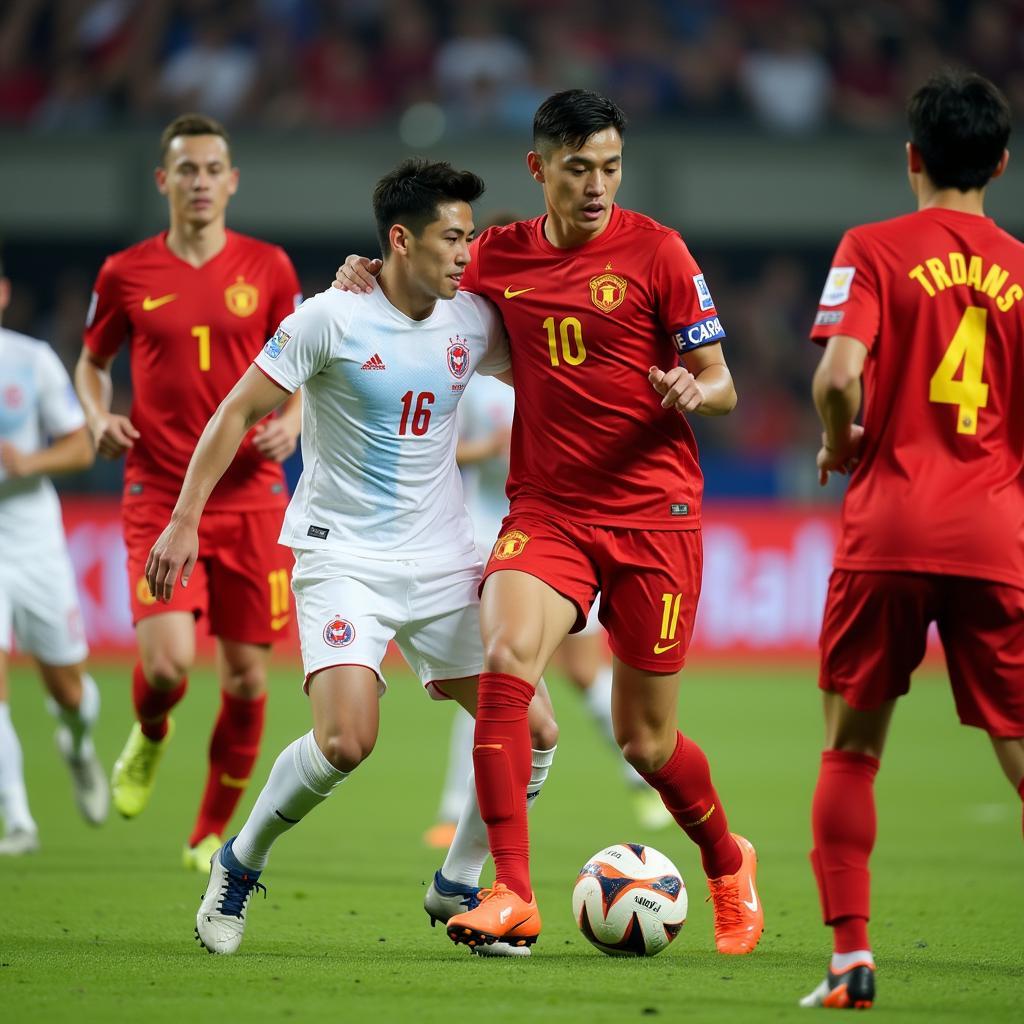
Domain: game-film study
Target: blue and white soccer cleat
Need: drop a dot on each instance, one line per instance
(445, 899)
(220, 922)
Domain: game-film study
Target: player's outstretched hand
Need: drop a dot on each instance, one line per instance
(842, 459)
(274, 440)
(114, 435)
(679, 389)
(358, 274)
(175, 550)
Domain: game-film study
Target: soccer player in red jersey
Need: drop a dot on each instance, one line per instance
(605, 495)
(923, 315)
(195, 303)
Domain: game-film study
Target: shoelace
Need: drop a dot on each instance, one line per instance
(139, 768)
(235, 893)
(726, 897)
(499, 889)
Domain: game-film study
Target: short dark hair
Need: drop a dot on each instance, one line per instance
(960, 123)
(190, 124)
(569, 118)
(412, 192)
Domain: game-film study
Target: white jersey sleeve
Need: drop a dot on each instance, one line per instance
(497, 358)
(59, 410)
(307, 340)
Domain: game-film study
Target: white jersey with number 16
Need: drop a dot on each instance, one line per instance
(379, 399)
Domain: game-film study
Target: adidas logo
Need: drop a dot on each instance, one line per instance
(374, 363)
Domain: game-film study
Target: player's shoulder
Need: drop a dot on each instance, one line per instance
(640, 223)
(258, 247)
(513, 236)
(23, 347)
(872, 232)
(144, 251)
(332, 306)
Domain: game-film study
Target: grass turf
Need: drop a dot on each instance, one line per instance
(98, 925)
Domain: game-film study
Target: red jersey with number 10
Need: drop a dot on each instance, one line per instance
(192, 333)
(590, 440)
(938, 299)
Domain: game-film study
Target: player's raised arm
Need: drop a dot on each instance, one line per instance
(177, 548)
(702, 384)
(837, 395)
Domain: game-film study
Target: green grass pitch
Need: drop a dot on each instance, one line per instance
(98, 925)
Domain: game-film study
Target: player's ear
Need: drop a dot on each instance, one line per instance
(1001, 166)
(398, 237)
(5, 293)
(914, 162)
(160, 176)
(536, 165)
(233, 181)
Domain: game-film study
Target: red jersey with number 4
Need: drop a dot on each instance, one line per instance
(192, 332)
(590, 439)
(937, 297)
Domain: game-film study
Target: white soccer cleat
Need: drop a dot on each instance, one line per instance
(445, 899)
(92, 793)
(19, 842)
(220, 922)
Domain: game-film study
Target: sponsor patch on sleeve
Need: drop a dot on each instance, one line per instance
(703, 293)
(703, 332)
(837, 287)
(828, 317)
(276, 344)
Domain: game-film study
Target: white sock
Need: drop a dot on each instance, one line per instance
(469, 848)
(13, 798)
(844, 961)
(301, 779)
(460, 767)
(81, 720)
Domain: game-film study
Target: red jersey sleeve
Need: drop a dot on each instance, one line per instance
(849, 303)
(287, 290)
(471, 275)
(685, 308)
(106, 324)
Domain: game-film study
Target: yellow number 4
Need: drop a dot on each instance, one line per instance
(969, 393)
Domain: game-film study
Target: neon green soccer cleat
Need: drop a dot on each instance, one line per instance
(198, 857)
(131, 782)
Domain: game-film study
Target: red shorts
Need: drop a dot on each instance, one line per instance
(242, 580)
(649, 580)
(875, 631)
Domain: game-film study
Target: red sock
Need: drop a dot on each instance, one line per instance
(152, 705)
(234, 747)
(1020, 791)
(501, 759)
(844, 828)
(684, 782)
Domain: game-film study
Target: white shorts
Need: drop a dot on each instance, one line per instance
(349, 609)
(39, 601)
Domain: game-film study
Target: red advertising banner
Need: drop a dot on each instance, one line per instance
(766, 569)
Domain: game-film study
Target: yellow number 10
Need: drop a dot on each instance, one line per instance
(203, 335)
(570, 334)
(969, 393)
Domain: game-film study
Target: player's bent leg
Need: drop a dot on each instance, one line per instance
(1010, 752)
(234, 745)
(644, 707)
(75, 703)
(20, 833)
(166, 650)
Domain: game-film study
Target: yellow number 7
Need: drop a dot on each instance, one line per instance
(969, 393)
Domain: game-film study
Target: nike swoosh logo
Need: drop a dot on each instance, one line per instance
(233, 783)
(511, 293)
(148, 304)
(279, 623)
(661, 649)
(751, 904)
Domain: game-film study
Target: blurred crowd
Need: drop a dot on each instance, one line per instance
(78, 65)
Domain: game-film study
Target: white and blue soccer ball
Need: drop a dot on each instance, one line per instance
(629, 900)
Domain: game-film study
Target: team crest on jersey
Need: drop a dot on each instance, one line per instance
(510, 544)
(339, 632)
(242, 298)
(142, 592)
(458, 357)
(607, 291)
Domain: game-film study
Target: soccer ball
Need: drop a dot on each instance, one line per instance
(629, 900)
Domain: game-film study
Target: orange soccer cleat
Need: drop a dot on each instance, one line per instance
(502, 915)
(739, 916)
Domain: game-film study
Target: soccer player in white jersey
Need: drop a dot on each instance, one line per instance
(42, 431)
(485, 425)
(383, 545)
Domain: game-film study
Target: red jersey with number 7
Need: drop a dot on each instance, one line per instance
(937, 297)
(192, 332)
(590, 440)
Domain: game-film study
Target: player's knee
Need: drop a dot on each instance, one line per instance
(165, 669)
(511, 657)
(346, 750)
(247, 682)
(645, 751)
(543, 731)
